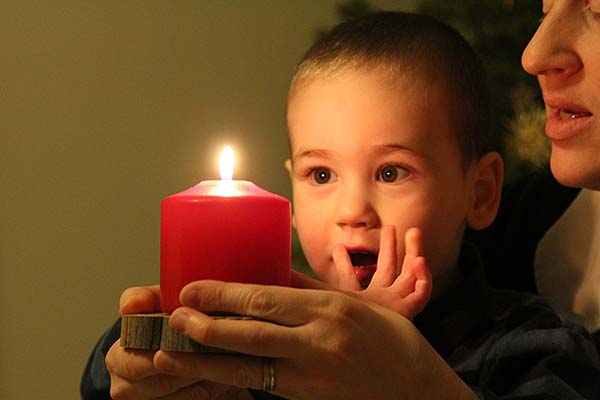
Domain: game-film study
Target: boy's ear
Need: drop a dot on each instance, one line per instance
(288, 166)
(487, 190)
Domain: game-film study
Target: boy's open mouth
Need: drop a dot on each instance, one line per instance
(365, 265)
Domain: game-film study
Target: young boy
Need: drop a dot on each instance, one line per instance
(388, 126)
(387, 119)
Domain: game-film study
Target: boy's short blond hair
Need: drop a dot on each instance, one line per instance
(397, 45)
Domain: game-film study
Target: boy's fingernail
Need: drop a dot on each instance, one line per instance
(179, 320)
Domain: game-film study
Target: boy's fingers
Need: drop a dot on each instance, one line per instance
(413, 242)
(413, 248)
(424, 283)
(387, 260)
(415, 289)
(405, 283)
(415, 274)
(140, 299)
(345, 271)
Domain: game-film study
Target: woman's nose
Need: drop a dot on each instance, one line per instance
(552, 49)
(355, 210)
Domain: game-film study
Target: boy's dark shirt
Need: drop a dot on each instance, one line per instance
(510, 345)
(503, 344)
(529, 207)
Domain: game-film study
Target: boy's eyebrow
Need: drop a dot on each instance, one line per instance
(319, 153)
(378, 149)
(392, 147)
(396, 147)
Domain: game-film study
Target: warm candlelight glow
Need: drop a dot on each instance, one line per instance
(226, 186)
(226, 163)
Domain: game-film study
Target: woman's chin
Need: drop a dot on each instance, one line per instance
(575, 170)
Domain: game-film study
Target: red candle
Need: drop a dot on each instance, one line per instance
(224, 230)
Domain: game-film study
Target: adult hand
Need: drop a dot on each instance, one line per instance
(323, 345)
(132, 372)
(406, 293)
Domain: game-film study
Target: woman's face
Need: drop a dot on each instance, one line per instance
(564, 53)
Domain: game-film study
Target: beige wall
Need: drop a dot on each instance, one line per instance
(106, 108)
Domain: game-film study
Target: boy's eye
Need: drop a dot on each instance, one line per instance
(322, 175)
(391, 173)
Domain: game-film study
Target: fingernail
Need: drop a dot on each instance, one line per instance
(189, 296)
(179, 320)
(164, 363)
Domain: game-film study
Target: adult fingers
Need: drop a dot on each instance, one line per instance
(210, 391)
(387, 260)
(259, 338)
(243, 372)
(141, 299)
(346, 278)
(283, 305)
(160, 386)
(213, 367)
(130, 364)
(303, 281)
(133, 375)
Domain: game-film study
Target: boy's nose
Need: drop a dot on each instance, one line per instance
(355, 210)
(551, 51)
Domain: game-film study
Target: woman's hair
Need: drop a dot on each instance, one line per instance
(397, 45)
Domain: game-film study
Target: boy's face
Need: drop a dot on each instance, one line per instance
(367, 154)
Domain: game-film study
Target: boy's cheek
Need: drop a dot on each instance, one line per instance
(314, 248)
(325, 272)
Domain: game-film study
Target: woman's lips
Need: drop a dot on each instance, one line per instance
(566, 120)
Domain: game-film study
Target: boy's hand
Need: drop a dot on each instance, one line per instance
(407, 293)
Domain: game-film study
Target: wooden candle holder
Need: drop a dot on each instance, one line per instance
(153, 332)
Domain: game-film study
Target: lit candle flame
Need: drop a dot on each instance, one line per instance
(226, 163)
(226, 186)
